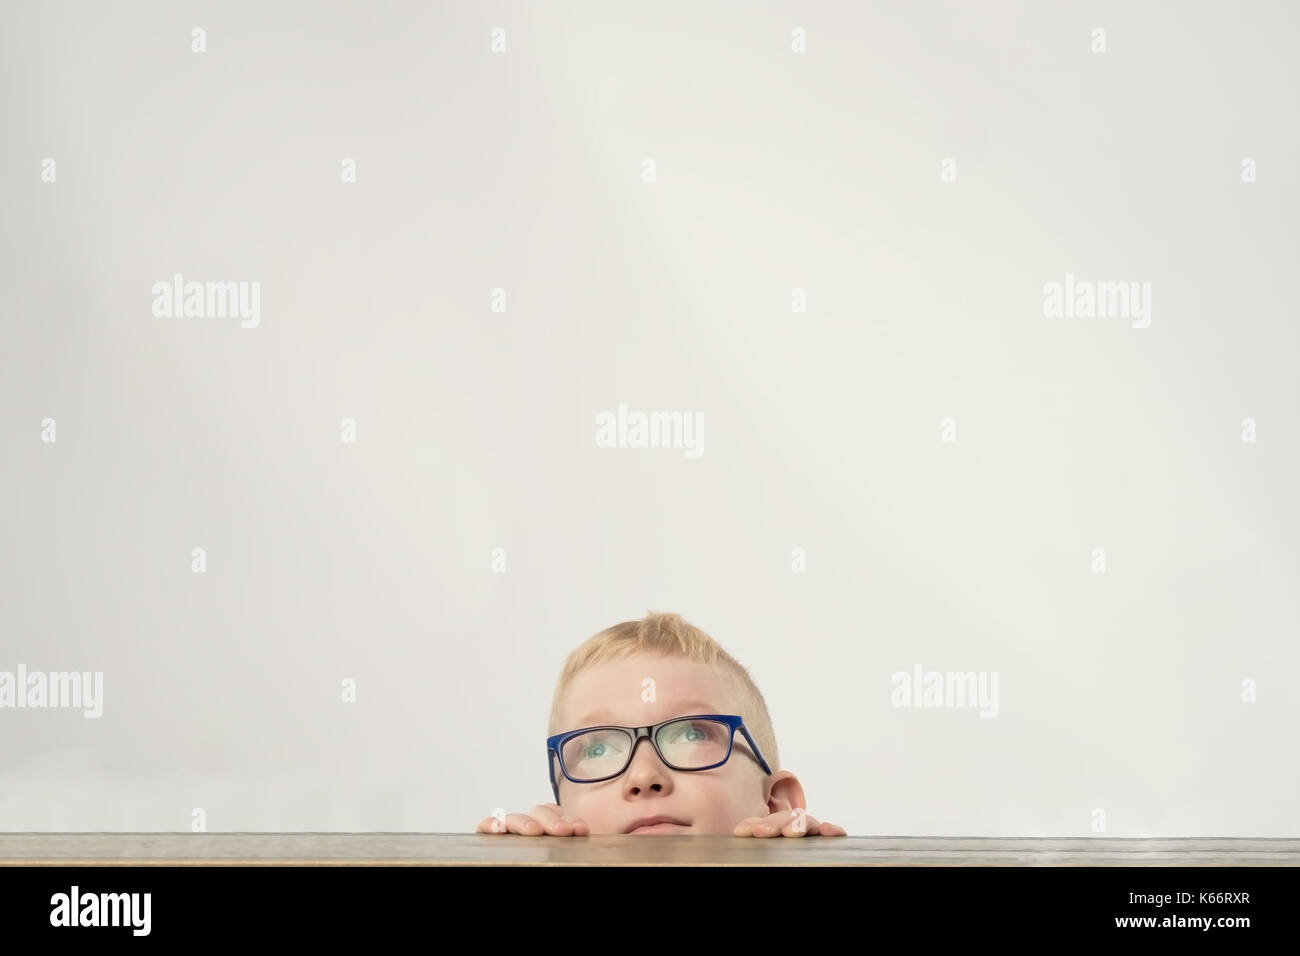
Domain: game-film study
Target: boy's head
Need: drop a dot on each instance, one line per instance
(607, 680)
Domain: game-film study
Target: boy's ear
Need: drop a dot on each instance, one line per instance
(784, 792)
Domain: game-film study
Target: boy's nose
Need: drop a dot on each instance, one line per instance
(646, 771)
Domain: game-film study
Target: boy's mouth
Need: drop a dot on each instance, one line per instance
(656, 824)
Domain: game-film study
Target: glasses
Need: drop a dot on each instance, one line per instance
(593, 754)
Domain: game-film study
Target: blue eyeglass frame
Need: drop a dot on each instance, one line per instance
(734, 722)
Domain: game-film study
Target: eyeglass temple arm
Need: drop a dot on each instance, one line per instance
(550, 769)
(757, 753)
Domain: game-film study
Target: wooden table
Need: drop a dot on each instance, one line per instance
(469, 849)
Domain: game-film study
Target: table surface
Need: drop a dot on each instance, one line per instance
(510, 849)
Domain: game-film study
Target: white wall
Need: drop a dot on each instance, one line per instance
(475, 429)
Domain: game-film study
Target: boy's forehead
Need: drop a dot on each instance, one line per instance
(643, 689)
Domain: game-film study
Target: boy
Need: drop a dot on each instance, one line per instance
(715, 773)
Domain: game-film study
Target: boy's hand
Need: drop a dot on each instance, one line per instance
(791, 823)
(545, 819)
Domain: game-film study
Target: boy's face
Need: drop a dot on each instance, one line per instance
(705, 801)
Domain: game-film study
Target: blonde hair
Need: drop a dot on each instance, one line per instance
(672, 635)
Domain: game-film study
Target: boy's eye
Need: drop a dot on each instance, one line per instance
(596, 748)
(689, 734)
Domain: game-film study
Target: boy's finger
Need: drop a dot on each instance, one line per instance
(524, 825)
(772, 824)
(580, 826)
(555, 823)
(821, 828)
(499, 822)
(759, 826)
(746, 826)
(796, 829)
(793, 823)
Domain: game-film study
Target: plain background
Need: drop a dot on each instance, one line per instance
(775, 170)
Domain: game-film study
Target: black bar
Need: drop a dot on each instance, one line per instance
(928, 904)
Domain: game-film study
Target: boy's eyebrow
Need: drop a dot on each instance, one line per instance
(681, 707)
